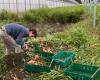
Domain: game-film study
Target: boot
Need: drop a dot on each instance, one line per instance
(18, 60)
(9, 61)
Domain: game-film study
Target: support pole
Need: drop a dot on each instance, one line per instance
(87, 4)
(94, 14)
(17, 6)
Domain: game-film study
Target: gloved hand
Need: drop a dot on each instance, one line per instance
(25, 47)
(18, 49)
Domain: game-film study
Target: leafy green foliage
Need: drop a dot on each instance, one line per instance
(53, 75)
(77, 36)
(66, 14)
(1, 49)
(51, 15)
(61, 15)
(2, 66)
(5, 15)
(36, 16)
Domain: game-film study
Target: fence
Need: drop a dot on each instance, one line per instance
(23, 5)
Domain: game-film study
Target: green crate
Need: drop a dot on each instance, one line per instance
(37, 48)
(67, 56)
(44, 55)
(82, 72)
(36, 68)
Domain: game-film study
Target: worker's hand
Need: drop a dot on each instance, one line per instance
(25, 47)
(18, 49)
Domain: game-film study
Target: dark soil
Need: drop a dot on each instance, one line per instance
(18, 74)
(50, 28)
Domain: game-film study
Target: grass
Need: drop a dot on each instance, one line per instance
(46, 15)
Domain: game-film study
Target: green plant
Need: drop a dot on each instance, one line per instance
(66, 14)
(54, 15)
(53, 75)
(5, 15)
(78, 37)
(36, 16)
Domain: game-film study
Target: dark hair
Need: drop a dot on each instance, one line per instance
(34, 31)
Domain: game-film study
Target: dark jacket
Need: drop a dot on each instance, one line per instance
(17, 32)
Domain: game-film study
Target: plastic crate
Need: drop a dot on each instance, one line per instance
(37, 48)
(82, 72)
(36, 68)
(44, 55)
(63, 58)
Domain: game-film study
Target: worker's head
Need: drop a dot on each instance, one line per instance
(32, 32)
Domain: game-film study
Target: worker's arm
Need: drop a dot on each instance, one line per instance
(19, 39)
